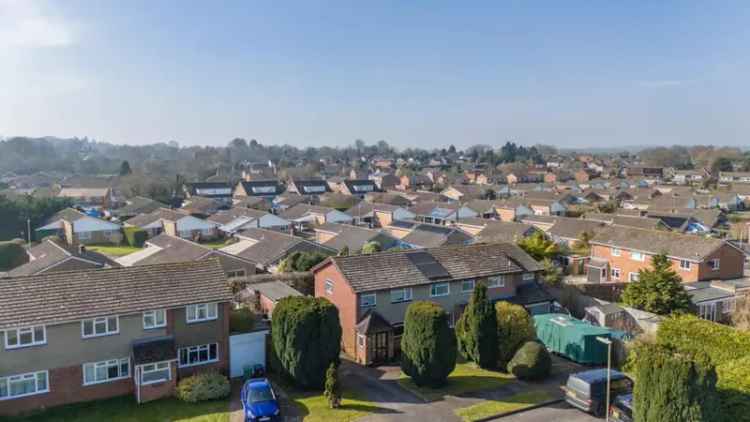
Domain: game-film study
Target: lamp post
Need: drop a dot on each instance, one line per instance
(608, 342)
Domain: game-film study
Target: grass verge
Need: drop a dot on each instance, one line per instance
(496, 407)
(466, 378)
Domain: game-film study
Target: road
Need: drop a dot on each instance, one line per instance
(560, 412)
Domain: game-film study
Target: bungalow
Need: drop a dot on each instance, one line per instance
(219, 191)
(307, 186)
(441, 212)
(267, 248)
(617, 253)
(373, 291)
(79, 228)
(512, 209)
(235, 219)
(167, 322)
(497, 231)
(174, 222)
(52, 255)
(305, 214)
(137, 205)
(466, 193)
(353, 238)
(262, 188)
(87, 197)
(378, 214)
(358, 188)
(415, 182)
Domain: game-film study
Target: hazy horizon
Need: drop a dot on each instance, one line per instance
(423, 74)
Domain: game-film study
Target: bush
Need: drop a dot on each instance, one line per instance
(301, 261)
(514, 328)
(12, 255)
(134, 236)
(728, 349)
(306, 336)
(241, 320)
(203, 386)
(428, 345)
(372, 246)
(531, 362)
(476, 330)
(673, 386)
(333, 390)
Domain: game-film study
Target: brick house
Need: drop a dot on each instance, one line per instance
(373, 291)
(617, 253)
(110, 332)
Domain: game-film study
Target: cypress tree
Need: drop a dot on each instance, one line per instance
(306, 336)
(476, 330)
(674, 387)
(428, 345)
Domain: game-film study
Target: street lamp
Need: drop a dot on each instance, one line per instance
(608, 342)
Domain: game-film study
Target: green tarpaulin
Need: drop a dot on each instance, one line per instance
(572, 338)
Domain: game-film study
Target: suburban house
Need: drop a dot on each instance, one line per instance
(238, 218)
(267, 248)
(263, 188)
(415, 182)
(164, 249)
(268, 294)
(52, 255)
(87, 197)
(219, 191)
(339, 236)
(202, 207)
(414, 234)
(358, 187)
(307, 186)
(497, 231)
(113, 332)
(617, 253)
(137, 205)
(512, 209)
(373, 291)
(687, 177)
(174, 222)
(305, 214)
(464, 193)
(716, 300)
(441, 212)
(78, 228)
(378, 214)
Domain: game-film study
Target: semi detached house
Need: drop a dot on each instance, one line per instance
(86, 335)
(373, 291)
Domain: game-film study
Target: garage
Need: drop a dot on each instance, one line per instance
(246, 350)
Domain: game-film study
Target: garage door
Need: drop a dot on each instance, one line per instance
(246, 350)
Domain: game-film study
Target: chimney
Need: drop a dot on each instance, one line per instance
(170, 227)
(68, 233)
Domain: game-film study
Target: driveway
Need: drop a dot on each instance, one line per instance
(560, 412)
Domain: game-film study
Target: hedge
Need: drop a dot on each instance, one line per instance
(203, 386)
(12, 255)
(728, 349)
(531, 362)
(428, 345)
(135, 236)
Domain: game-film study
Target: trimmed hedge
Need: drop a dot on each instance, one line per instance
(203, 386)
(674, 386)
(531, 362)
(306, 336)
(514, 328)
(476, 330)
(428, 345)
(728, 349)
(12, 255)
(134, 236)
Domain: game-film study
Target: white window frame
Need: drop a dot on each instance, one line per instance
(637, 276)
(433, 286)
(197, 349)
(153, 314)
(362, 302)
(684, 267)
(329, 286)
(616, 252)
(207, 309)
(236, 273)
(84, 235)
(715, 264)
(615, 273)
(407, 295)
(118, 363)
(25, 330)
(641, 257)
(94, 321)
(495, 281)
(528, 276)
(156, 368)
(463, 286)
(35, 375)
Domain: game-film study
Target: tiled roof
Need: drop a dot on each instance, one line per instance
(351, 236)
(160, 214)
(265, 247)
(50, 252)
(434, 235)
(73, 295)
(571, 228)
(501, 231)
(690, 247)
(394, 269)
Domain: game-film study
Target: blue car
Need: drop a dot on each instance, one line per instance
(259, 401)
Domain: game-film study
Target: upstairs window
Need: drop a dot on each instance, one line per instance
(496, 281)
(329, 287)
(103, 326)
(25, 337)
(637, 256)
(714, 264)
(154, 319)
(401, 295)
(616, 252)
(367, 300)
(440, 289)
(201, 312)
(467, 286)
(685, 265)
(528, 276)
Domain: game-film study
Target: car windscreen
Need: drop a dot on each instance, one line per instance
(622, 385)
(260, 394)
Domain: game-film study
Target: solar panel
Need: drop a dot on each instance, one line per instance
(427, 265)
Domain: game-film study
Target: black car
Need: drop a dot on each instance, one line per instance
(621, 409)
(587, 390)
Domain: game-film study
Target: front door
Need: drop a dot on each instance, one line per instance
(380, 351)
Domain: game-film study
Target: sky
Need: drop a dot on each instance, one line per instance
(414, 73)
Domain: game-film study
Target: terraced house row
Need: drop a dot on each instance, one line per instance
(83, 335)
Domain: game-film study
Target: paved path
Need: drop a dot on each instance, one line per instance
(560, 412)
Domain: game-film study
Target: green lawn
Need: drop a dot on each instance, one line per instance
(313, 407)
(495, 407)
(125, 409)
(114, 251)
(217, 244)
(466, 378)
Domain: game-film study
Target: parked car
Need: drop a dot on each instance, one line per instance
(587, 390)
(259, 402)
(621, 409)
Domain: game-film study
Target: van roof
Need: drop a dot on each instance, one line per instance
(593, 375)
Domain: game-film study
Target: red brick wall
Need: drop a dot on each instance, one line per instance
(345, 300)
(159, 390)
(66, 386)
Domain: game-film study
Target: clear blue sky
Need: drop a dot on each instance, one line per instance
(415, 73)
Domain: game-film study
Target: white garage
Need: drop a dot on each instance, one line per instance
(246, 350)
